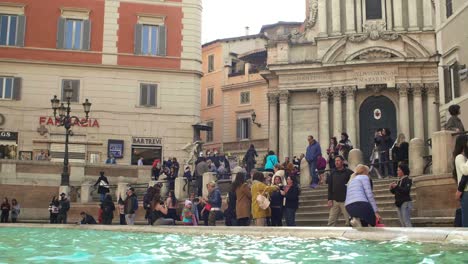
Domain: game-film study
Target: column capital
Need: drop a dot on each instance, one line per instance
(432, 88)
(272, 97)
(350, 91)
(417, 89)
(324, 93)
(403, 89)
(337, 92)
(284, 97)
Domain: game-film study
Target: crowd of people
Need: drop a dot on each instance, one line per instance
(11, 211)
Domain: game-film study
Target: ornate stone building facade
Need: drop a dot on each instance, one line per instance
(353, 66)
(452, 43)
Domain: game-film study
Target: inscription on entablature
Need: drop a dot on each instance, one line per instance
(310, 77)
(375, 77)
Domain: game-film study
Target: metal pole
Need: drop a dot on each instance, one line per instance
(67, 125)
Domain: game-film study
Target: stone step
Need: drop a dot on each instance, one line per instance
(324, 206)
(323, 200)
(388, 222)
(385, 213)
(325, 194)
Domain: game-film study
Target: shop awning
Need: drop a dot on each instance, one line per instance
(7, 143)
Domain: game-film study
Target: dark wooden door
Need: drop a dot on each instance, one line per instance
(375, 112)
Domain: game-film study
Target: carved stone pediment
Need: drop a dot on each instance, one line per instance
(374, 30)
(375, 54)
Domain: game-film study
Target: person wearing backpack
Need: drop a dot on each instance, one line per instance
(108, 208)
(103, 186)
(130, 206)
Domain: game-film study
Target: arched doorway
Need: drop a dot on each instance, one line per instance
(375, 112)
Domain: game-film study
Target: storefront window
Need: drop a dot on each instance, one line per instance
(8, 152)
(8, 145)
(149, 154)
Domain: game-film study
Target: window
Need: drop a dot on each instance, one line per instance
(373, 9)
(245, 98)
(449, 8)
(10, 88)
(209, 133)
(210, 63)
(210, 97)
(75, 85)
(73, 34)
(243, 128)
(148, 95)
(451, 82)
(150, 40)
(12, 30)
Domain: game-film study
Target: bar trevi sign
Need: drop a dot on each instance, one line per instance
(150, 141)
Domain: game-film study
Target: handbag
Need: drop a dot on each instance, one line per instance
(263, 201)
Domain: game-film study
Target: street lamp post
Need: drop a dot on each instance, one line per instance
(67, 121)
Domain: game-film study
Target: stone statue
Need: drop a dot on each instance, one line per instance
(193, 150)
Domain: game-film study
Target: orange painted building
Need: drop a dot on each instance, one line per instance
(138, 62)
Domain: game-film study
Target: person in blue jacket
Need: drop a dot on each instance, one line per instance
(312, 153)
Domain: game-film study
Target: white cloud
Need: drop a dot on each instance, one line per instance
(228, 18)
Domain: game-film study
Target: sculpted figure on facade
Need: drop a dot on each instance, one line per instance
(374, 30)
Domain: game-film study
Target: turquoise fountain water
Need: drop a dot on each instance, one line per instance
(48, 245)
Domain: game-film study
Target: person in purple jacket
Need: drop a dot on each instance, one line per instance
(312, 153)
(360, 202)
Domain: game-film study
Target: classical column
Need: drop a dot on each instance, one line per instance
(336, 18)
(427, 13)
(273, 124)
(337, 111)
(322, 18)
(284, 125)
(418, 111)
(398, 15)
(432, 111)
(350, 25)
(412, 15)
(404, 125)
(324, 136)
(351, 114)
(389, 15)
(358, 16)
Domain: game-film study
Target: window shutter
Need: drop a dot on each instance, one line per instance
(137, 42)
(61, 33)
(447, 85)
(152, 95)
(143, 93)
(21, 31)
(456, 80)
(249, 130)
(86, 35)
(238, 129)
(17, 89)
(75, 84)
(162, 41)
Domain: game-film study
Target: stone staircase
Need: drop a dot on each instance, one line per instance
(313, 209)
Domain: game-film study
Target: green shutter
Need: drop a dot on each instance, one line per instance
(143, 93)
(61, 33)
(249, 128)
(86, 45)
(238, 127)
(447, 85)
(456, 80)
(152, 95)
(75, 84)
(21, 31)
(137, 41)
(17, 88)
(162, 41)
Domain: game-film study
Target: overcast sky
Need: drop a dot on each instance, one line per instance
(228, 18)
